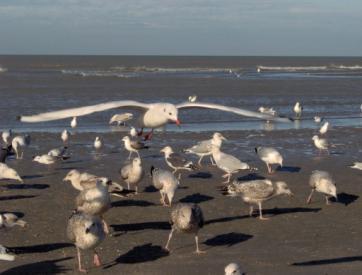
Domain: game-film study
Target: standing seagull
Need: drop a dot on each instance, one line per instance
(324, 128)
(121, 118)
(20, 141)
(74, 123)
(65, 136)
(270, 156)
(133, 132)
(8, 220)
(98, 143)
(298, 110)
(86, 232)
(321, 144)
(153, 115)
(228, 163)
(203, 148)
(133, 146)
(258, 191)
(8, 173)
(357, 165)
(187, 218)
(176, 161)
(132, 173)
(192, 98)
(322, 182)
(166, 183)
(318, 119)
(6, 135)
(233, 269)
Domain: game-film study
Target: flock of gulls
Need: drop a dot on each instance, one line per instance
(87, 227)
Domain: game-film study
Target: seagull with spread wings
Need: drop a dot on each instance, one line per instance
(154, 115)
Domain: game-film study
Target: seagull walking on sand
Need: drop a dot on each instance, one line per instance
(65, 136)
(323, 130)
(166, 183)
(133, 146)
(228, 163)
(8, 173)
(86, 232)
(121, 118)
(18, 142)
(233, 269)
(132, 173)
(6, 136)
(98, 143)
(321, 181)
(203, 148)
(177, 161)
(187, 218)
(270, 156)
(321, 144)
(74, 123)
(153, 115)
(8, 220)
(255, 192)
(298, 109)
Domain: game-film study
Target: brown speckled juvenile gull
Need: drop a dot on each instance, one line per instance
(166, 183)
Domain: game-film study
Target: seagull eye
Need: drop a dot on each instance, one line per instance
(170, 114)
(164, 110)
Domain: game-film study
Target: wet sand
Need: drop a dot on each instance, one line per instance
(298, 238)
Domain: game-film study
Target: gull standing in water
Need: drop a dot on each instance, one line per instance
(133, 146)
(133, 132)
(203, 149)
(192, 98)
(228, 163)
(8, 173)
(321, 144)
(233, 269)
(166, 183)
(86, 232)
(20, 141)
(132, 173)
(187, 218)
(98, 143)
(65, 136)
(6, 136)
(121, 118)
(153, 115)
(318, 119)
(258, 191)
(74, 123)
(8, 220)
(177, 161)
(322, 182)
(298, 109)
(324, 128)
(270, 156)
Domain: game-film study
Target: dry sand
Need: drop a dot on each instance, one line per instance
(298, 239)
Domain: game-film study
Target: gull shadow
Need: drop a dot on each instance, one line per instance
(123, 203)
(345, 198)
(201, 175)
(251, 176)
(33, 176)
(44, 267)
(290, 169)
(16, 197)
(280, 211)
(228, 239)
(141, 254)
(196, 198)
(330, 261)
(40, 248)
(26, 186)
(225, 219)
(141, 226)
(69, 168)
(150, 189)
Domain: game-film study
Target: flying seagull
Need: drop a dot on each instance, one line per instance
(154, 115)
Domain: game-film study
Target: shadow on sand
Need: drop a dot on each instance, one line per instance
(45, 267)
(201, 175)
(26, 186)
(141, 226)
(330, 261)
(228, 239)
(125, 203)
(345, 198)
(16, 197)
(40, 248)
(196, 198)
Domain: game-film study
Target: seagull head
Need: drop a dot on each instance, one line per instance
(315, 137)
(136, 161)
(232, 269)
(72, 174)
(167, 150)
(282, 188)
(126, 138)
(170, 112)
(218, 136)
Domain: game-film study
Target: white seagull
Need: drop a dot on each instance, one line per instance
(73, 123)
(318, 119)
(154, 115)
(233, 269)
(97, 143)
(321, 144)
(166, 183)
(270, 156)
(324, 128)
(322, 182)
(298, 110)
(132, 146)
(176, 161)
(8, 173)
(133, 132)
(65, 136)
(121, 118)
(20, 141)
(203, 149)
(6, 135)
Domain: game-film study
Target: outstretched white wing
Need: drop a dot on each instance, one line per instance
(82, 111)
(238, 111)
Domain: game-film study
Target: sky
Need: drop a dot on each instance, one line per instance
(182, 27)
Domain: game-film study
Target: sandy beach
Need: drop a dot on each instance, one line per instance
(298, 238)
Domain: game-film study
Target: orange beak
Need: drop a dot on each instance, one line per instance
(178, 122)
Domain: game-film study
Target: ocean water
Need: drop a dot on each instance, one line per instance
(330, 87)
